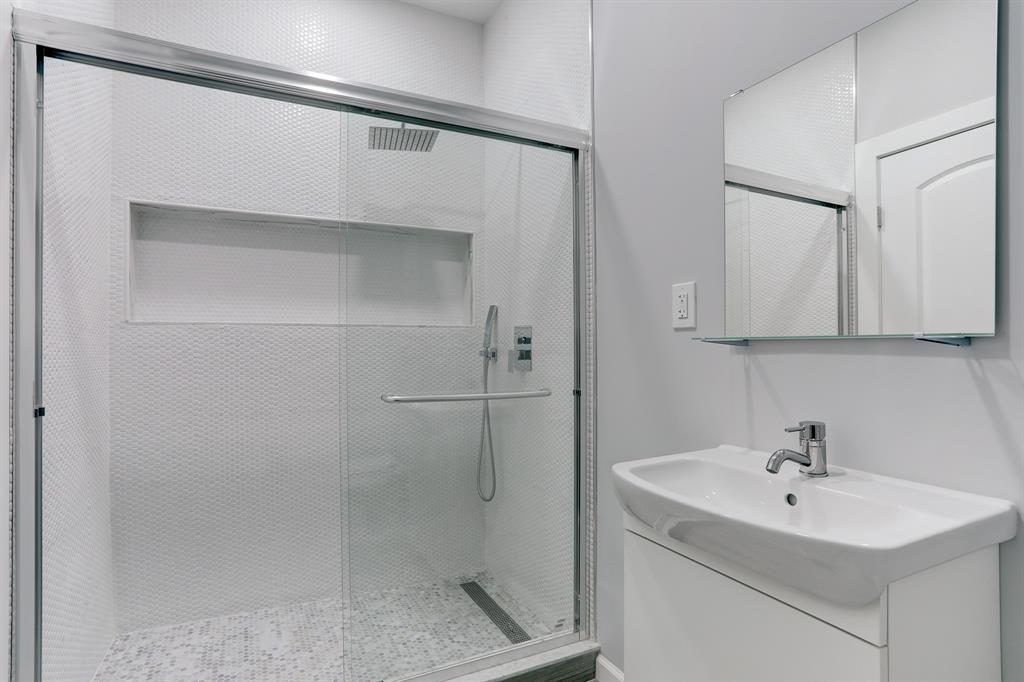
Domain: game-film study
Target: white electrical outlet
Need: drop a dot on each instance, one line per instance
(684, 306)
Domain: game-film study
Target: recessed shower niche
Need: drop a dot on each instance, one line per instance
(210, 265)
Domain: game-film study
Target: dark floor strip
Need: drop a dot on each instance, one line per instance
(581, 668)
(498, 615)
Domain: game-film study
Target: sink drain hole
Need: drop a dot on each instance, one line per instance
(791, 500)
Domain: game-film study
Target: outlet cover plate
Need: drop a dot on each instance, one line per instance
(684, 306)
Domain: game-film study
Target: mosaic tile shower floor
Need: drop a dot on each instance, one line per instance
(392, 633)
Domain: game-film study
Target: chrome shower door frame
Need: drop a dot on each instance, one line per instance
(39, 36)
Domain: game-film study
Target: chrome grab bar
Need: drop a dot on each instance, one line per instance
(456, 397)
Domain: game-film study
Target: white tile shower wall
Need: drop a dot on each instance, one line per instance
(537, 60)
(766, 128)
(791, 268)
(226, 441)
(530, 522)
(737, 261)
(798, 123)
(183, 144)
(244, 425)
(413, 514)
(6, 178)
(79, 629)
(409, 279)
(383, 42)
(226, 473)
(537, 57)
(96, 12)
(200, 266)
(78, 590)
(441, 188)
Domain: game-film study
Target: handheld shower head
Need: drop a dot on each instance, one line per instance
(488, 353)
(492, 320)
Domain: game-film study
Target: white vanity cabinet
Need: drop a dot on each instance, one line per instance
(690, 615)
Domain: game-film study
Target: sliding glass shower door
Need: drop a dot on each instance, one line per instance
(459, 280)
(311, 387)
(193, 338)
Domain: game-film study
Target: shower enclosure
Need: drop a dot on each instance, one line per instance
(253, 439)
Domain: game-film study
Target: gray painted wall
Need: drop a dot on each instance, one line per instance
(940, 415)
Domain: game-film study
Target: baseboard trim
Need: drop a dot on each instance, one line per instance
(608, 671)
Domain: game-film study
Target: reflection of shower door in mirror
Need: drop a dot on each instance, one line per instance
(784, 265)
(937, 257)
(460, 525)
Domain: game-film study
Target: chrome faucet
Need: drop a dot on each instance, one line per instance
(811, 458)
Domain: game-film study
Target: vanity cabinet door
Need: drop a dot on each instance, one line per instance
(684, 621)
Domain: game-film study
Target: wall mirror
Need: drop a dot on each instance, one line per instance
(860, 184)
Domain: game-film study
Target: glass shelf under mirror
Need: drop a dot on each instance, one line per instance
(958, 339)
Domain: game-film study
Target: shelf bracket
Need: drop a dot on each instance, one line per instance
(723, 342)
(945, 340)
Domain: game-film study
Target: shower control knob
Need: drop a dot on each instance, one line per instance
(520, 357)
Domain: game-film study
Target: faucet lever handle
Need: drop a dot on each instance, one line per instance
(809, 430)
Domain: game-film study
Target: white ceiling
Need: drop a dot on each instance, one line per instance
(473, 10)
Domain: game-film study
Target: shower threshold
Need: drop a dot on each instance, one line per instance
(390, 633)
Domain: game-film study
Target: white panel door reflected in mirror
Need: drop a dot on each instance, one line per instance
(860, 184)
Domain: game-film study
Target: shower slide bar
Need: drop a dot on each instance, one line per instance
(457, 397)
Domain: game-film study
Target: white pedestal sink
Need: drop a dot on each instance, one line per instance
(843, 537)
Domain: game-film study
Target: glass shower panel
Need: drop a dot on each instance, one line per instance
(230, 284)
(452, 552)
(192, 364)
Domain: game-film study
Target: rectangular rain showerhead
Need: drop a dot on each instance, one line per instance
(402, 139)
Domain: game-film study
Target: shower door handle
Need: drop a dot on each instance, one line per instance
(458, 397)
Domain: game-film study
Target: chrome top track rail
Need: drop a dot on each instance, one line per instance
(110, 48)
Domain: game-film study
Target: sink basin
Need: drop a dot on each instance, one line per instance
(843, 538)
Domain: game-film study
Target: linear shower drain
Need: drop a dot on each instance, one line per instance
(515, 633)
